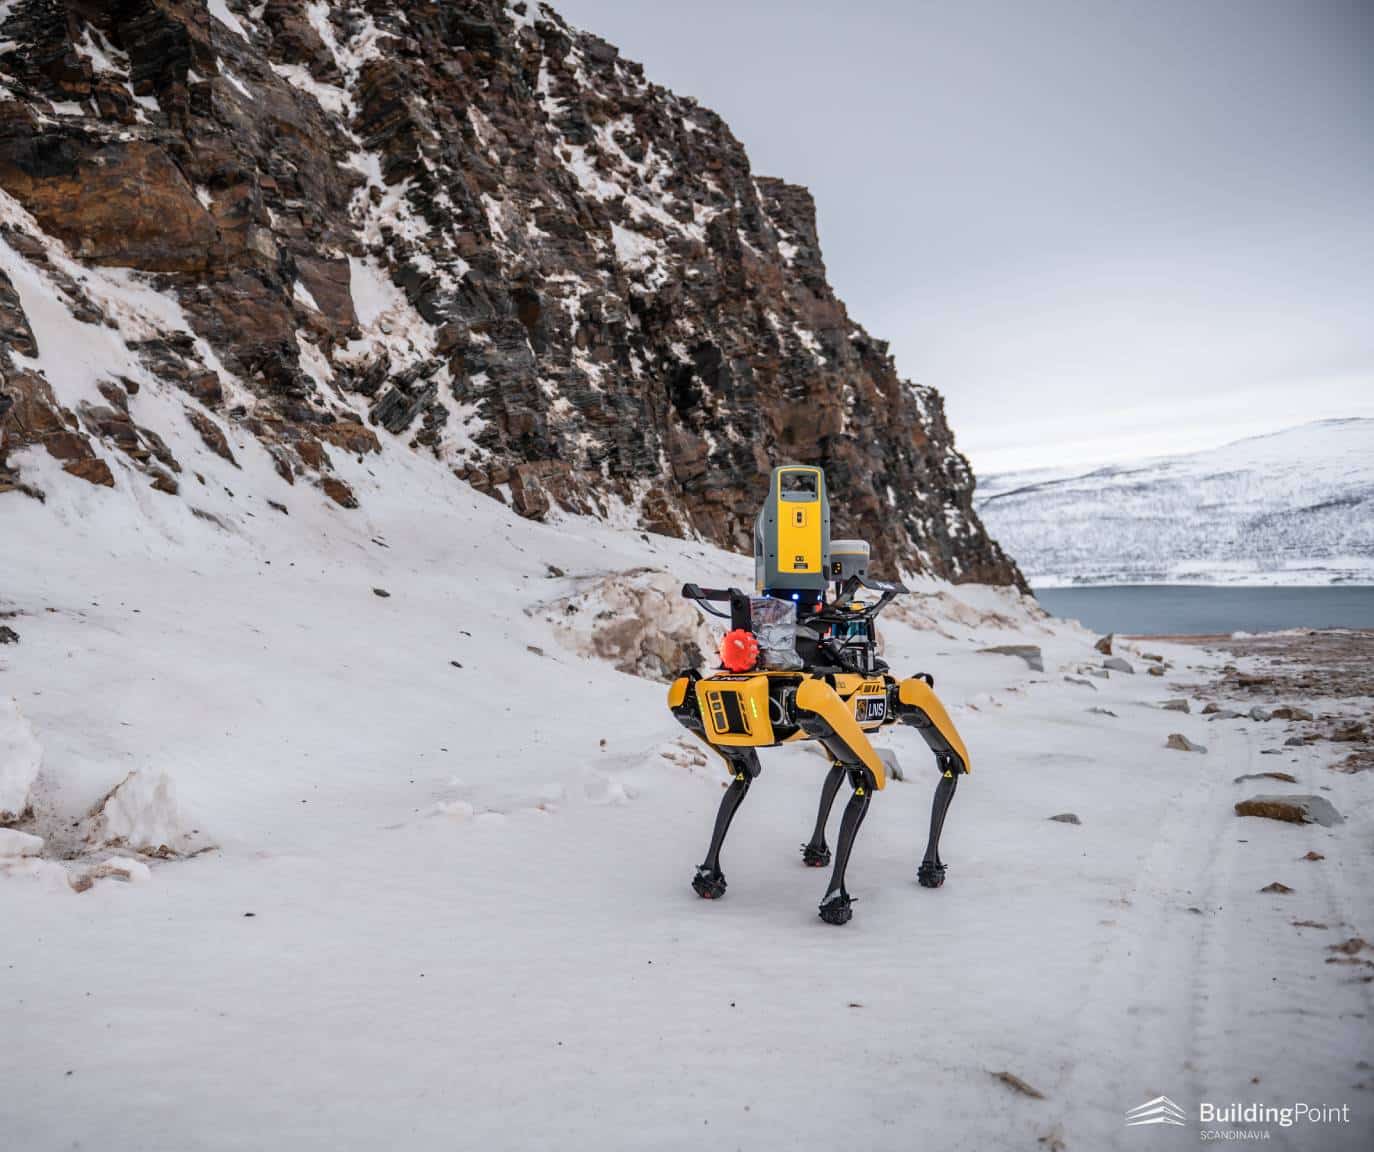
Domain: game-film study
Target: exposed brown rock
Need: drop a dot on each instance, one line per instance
(349, 435)
(112, 202)
(91, 469)
(31, 416)
(212, 434)
(338, 491)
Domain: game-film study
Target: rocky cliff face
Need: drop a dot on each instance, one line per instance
(462, 227)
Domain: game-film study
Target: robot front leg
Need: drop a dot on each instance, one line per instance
(836, 906)
(816, 853)
(709, 881)
(931, 874)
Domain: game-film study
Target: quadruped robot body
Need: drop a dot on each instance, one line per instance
(801, 663)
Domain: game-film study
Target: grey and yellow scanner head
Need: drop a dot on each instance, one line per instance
(792, 533)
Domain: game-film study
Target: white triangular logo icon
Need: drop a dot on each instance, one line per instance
(1160, 1110)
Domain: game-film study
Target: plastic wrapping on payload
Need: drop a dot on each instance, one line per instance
(775, 625)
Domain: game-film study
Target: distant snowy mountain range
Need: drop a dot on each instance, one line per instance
(1294, 507)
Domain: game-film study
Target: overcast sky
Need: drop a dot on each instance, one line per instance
(1102, 229)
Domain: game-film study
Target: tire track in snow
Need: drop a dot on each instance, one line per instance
(1136, 1030)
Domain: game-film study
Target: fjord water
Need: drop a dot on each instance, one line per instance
(1197, 609)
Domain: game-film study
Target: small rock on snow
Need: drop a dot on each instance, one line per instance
(382, 592)
(1013, 1081)
(1284, 776)
(1117, 664)
(8, 635)
(1180, 743)
(1030, 653)
(1176, 706)
(1258, 713)
(1277, 888)
(1105, 644)
(1067, 818)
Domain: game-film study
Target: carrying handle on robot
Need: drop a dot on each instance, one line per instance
(890, 590)
(740, 614)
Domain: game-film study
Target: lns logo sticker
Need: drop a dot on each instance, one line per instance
(1160, 1110)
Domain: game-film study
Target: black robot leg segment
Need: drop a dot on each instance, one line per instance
(932, 871)
(709, 881)
(836, 908)
(816, 853)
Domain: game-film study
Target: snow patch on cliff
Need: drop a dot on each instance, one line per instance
(220, 10)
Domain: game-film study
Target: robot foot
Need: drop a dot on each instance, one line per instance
(930, 875)
(814, 857)
(836, 907)
(709, 884)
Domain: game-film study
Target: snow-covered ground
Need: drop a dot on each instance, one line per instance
(1292, 508)
(427, 884)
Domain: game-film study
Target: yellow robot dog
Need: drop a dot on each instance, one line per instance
(798, 666)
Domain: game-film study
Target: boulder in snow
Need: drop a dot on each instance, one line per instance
(1180, 743)
(142, 813)
(635, 619)
(1117, 664)
(1292, 809)
(20, 758)
(1105, 644)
